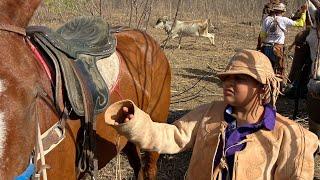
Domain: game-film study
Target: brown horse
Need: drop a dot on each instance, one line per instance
(144, 78)
(307, 46)
(300, 70)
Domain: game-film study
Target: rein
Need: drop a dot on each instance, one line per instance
(49, 140)
(14, 29)
(52, 137)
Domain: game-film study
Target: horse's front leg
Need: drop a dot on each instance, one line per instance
(134, 158)
(149, 171)
(150, 168)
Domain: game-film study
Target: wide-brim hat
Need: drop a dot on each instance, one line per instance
(279, 7)
(256, 65)
(249, 62)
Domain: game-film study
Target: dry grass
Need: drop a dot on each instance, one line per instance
(188, 64)
(139, 10)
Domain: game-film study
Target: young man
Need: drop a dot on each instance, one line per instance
(267, 11)
(274, 29)
(241, 137)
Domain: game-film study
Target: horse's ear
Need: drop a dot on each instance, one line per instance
(312, 11)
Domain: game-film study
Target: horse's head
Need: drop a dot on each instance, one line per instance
(17, 12)
(18, 79)
(313, 14)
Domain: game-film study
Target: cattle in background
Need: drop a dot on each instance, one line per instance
(195, 28)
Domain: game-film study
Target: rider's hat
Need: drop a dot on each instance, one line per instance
(279, 7)
(258, 66)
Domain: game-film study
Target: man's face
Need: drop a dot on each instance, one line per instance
(240, 89)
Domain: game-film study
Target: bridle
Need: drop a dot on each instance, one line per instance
(15, 29)
(57, 130)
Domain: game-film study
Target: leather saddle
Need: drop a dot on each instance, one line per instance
(74, 49)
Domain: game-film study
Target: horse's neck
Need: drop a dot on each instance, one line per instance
(17, 12)
(313, 40)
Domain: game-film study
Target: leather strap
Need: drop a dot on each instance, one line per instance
(12, 28)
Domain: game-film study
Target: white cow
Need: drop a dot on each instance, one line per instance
(195, 28)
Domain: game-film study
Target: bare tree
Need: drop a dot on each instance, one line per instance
(174, 23)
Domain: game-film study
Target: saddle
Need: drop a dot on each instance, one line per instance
(74, 49)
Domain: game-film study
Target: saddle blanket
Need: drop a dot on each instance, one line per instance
(109, 69)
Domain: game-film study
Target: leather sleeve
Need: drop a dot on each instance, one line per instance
(296, 156)
(162, 137)
(301, 21)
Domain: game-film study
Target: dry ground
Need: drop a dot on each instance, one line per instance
(193, 69)
(189, 65)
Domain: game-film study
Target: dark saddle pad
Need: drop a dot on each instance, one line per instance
(74, 50)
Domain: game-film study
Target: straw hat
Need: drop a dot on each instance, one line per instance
(258, 66)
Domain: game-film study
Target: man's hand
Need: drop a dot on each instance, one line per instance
(127, 115)
(304, 8)
(124, 115)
